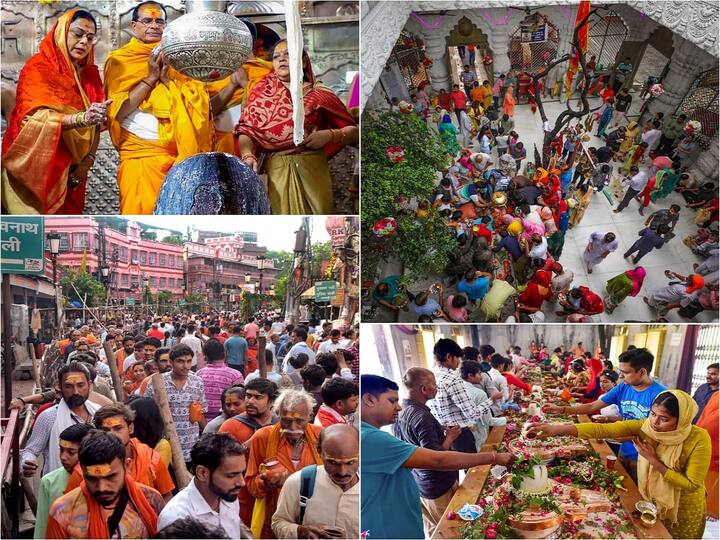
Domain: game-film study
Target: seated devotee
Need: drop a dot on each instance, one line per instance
(299, 180)
(674, 458)
(292, 444)
(54, 130)
(332, 494)
(91, 510)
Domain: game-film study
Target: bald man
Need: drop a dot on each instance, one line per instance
(416, 425)
(332, 511)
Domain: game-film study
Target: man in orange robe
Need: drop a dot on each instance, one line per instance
(278, 451)
(158, 116)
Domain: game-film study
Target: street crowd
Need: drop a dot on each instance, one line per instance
(273, 449)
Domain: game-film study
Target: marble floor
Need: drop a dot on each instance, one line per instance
(598, 217)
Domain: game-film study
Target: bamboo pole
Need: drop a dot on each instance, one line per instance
(112, 364)
(161, 398)
(35, 369)
(262, 365)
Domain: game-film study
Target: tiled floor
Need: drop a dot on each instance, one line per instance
(600, 217)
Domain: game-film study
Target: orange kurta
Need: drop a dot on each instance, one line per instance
(259, 445)
(709, 420)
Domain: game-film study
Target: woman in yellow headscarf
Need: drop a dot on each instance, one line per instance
(631, 135)
(674, 458)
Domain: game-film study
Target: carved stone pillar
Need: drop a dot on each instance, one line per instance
(706, 165)
(499, 46)
(686, 63)
(436, 50)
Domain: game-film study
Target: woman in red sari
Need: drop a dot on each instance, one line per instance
(298, 177)
(53, 134)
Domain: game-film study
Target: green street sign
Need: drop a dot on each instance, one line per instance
(22, 245)
(129, 301)
(181, 302)
(325, 291)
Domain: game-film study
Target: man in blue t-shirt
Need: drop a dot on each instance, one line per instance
(235, 349)
(633, 396)
(390, 501)
(475, 285)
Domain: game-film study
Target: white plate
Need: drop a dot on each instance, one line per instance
(463, 512)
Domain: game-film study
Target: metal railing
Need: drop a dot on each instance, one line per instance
(12, 490)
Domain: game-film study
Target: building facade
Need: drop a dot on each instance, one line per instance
(128, 257)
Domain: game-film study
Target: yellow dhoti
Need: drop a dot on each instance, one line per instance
(299, 183)
(143, 166)
(182, 109)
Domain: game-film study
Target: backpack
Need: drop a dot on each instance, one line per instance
(307, 486)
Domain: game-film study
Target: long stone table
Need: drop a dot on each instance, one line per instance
(474, 481)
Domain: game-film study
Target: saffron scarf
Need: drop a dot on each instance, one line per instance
(271, 450)
(97, 525)
(140, 466)
(182, 107)
(651, 483)
(36, 152)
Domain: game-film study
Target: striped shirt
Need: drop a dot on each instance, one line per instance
(216, 378)
(452, 406)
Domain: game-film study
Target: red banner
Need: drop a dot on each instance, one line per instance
(583, 10)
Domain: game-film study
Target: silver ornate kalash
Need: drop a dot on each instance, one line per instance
(206, 45)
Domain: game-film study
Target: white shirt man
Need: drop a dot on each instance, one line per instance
(299, 347)
(331, 345)
(189, 502)
(639, 181)
(329, 504)
(195, 343)
(651, 137)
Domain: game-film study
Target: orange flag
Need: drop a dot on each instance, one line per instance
(83, 262)
(583, 10)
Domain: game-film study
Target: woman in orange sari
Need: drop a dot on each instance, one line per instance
(509, 102)
(53, 134)
(298, 177)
